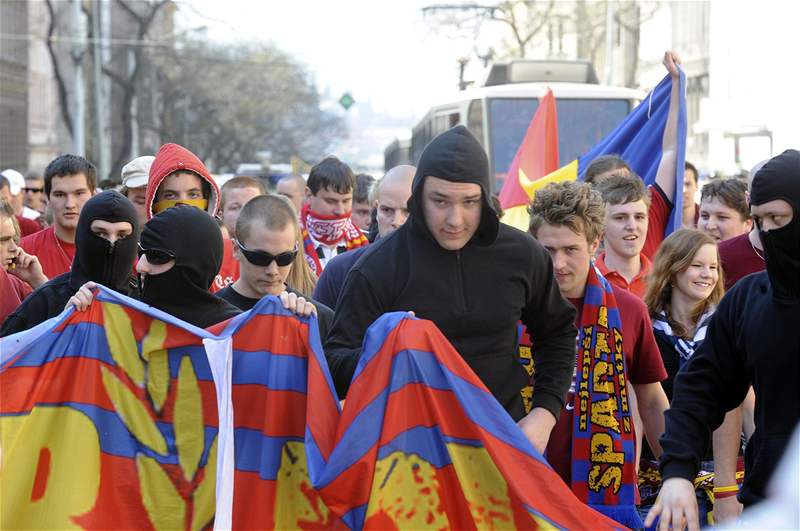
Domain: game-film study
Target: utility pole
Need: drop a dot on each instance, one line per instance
(609, 42)
(103, 151)
(78, 103)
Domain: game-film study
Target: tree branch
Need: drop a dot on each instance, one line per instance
(62, 88)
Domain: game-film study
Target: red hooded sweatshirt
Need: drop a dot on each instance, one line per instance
(171, 158)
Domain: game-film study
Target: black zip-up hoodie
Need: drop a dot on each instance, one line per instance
(96, 259)
(752, 339)
(475, 295)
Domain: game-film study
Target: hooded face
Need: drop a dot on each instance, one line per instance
(454, 209)
(105, 242)
(178, 176)
(775, 186)
(193, 240)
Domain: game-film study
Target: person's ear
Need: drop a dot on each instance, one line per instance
(308, 193)
(595, 245)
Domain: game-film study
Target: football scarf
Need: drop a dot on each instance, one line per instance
(327, 230)
(603, 443)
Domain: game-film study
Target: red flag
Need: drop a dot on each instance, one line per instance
(536, 157)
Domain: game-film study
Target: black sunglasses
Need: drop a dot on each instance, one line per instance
(156, 256)
(35, 190)
(262, 259)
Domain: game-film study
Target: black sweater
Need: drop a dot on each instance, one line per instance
(475, 296)
(751, 339)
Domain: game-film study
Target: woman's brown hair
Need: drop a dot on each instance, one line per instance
(674, 256)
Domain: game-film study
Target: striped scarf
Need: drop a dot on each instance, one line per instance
(603, 443)
(684, 347)
(327, 231)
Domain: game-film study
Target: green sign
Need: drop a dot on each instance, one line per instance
(346, 101)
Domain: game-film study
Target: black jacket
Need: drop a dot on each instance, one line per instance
(475, 295)
(750, 340)
(96, 259)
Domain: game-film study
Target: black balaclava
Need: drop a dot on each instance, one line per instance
(195, 240)
(458, 157)
(96, 258)
(779, 178)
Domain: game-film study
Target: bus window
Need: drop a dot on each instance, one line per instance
(581, 124)
(453, 118)
(475, 120)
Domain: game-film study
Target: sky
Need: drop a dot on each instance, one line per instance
(379, 51)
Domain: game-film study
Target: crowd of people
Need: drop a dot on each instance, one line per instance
(709, 376)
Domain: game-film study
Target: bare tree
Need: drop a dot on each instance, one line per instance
(143, 15)
(63, 97)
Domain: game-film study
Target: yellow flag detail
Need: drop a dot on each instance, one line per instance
(164, 505)
(188, 420)
(565, 173)
(133, 413)
(122, 343)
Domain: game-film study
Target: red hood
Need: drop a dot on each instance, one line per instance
(171, 158)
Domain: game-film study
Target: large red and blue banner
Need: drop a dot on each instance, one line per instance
(125, 417)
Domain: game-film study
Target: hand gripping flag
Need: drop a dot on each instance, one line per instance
(123, 416)
(638, 140)
(536, 157)
(422, 444)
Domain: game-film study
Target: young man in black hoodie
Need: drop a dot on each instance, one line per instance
(453, 263)
(753, 339)
(105, 251)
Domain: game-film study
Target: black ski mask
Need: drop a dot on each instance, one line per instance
(96, 258)
(779, 178)
(194, 239)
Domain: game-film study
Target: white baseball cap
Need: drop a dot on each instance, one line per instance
(15, 180)
(136, 172)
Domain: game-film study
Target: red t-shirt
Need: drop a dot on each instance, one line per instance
(54, 254)
(229, 272)
(637, 285)
(27, 226)
(657, 218)
(643, 366)
(739, 259)
(12, 292)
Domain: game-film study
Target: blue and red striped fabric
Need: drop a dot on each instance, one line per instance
(423, 444)
(123, 415)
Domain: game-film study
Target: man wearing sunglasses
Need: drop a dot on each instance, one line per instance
(270, 261)
(105, 251)
(35, 199)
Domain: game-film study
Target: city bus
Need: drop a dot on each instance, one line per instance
(499, 112)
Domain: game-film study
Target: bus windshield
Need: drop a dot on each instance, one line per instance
(581, 124)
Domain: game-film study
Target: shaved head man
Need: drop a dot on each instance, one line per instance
(390, 198)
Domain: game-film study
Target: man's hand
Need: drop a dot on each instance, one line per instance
(671, 62)
(537, 426)
(726, 510)
(297, 305)
(27, 268)
(82, 298)
(677, 506)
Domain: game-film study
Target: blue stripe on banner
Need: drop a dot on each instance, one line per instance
(354, 518)
(537, 514)
(116, 439)
(361, 435)
(315, 463)
(276, 371)
(425, 442)
(81, 340)
(478, 404)
(375, 337)
(199, 361)
(256, 452)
